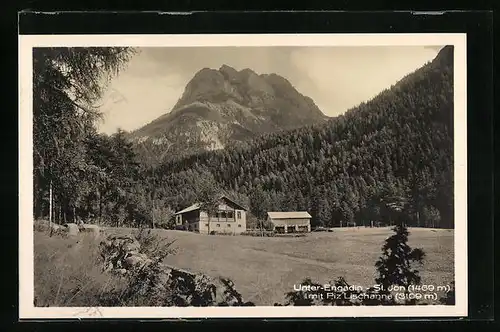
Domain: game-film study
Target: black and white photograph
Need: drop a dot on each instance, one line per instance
(216, 176)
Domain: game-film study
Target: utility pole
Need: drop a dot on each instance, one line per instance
(50, 206)
(153, 195)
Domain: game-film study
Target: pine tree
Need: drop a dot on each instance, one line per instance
(258, 202)
(395, 265)
(208, 196)
(67, 83)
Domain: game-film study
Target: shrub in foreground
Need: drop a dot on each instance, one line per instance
(395, 267)
(70, 272)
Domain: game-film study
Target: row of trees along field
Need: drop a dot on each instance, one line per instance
(394, 149)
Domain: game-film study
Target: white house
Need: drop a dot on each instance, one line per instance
(229, 219)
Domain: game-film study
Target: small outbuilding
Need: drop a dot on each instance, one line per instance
(290, 222)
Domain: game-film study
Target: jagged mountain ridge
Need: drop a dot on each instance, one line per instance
(223, 106)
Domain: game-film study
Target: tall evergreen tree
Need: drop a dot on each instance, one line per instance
(67, 83)
(395, 265)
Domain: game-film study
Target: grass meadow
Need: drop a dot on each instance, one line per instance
(262, 268)
(67, 271)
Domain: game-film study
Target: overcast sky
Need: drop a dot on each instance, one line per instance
(336, 78)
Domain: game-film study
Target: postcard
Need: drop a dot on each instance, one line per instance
(273, 176)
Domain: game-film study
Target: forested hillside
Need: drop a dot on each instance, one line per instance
(395, 150)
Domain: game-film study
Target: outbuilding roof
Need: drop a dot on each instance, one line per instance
(289, 215)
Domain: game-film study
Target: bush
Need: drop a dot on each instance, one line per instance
(222, 233)
(181, 227)
(163, 215)
(449, 298)
(394, 268)
(431, 216)
(68, 272)
(258, 233)
(153, 245)
(291, 235)
(41, 226)
(45, 226)
(165, 225)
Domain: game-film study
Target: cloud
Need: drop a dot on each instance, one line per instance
(130, 103)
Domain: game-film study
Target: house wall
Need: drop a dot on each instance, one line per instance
(224, 225)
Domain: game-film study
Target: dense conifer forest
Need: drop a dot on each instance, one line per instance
(393, 151)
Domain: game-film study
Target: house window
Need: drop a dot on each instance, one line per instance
(239, 225)
(206, 225)
(218, 225)
(228, 225)
(230, 215)
(239, 214)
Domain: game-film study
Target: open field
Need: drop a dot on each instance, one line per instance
(265, 268)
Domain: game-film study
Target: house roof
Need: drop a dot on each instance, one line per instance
(234, 202)
(289, 215)
(196, 206)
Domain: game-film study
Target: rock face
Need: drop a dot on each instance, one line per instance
(45, 226)
(116, 249)
(220, 107)
(90, 229)
(72, 229)
(68, 229)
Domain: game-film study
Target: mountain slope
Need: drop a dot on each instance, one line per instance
(220, 107)
(396, 147)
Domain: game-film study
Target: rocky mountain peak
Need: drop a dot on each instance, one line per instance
(228, 71)
(221, 106)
